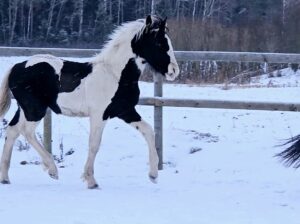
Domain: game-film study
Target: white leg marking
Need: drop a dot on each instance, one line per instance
(96, 130)
(29, 133)
(12, 134)
(146, 130)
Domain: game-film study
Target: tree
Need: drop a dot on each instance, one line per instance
(13, 10)
(50, 17)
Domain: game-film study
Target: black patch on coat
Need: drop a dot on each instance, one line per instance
(127, 95)
(16, 118)
(35, 88)
(71, 75)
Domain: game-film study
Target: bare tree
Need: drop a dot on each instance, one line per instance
(194, 10)
(208, 8)
(22, 21)
(80, 19)
(153, 11)
(58, 17)
(120, 12)
(13, 18)
(30, 21)
(177, 9)
(50, 17)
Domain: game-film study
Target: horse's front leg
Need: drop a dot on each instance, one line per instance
(146, 130)
(134, 119)
(96, 130)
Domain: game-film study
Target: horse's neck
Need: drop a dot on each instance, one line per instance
(116, 63)
(117, 53)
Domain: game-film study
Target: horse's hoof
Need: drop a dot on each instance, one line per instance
(95, 186)
(54, 176)
(5, 182)
(153, 179)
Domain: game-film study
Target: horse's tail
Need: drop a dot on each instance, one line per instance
(5, 95)
(291, 156)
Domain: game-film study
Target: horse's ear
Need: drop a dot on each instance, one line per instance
(165, 20)
(148, 20)
(162, 26)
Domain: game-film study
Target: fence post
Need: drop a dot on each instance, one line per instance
(48, 131)
(158, 118)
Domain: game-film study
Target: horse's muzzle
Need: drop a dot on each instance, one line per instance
(173, 71)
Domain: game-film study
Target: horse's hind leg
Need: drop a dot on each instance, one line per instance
(12, 133)
(29, 133)
(96, 130)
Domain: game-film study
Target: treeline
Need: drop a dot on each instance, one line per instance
(239, 25)
(67, 23)
(222, 25)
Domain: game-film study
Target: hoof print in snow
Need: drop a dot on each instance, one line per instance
(23, 162)
(70, 152)
(194, 150)
(207, 137)
(170, 164)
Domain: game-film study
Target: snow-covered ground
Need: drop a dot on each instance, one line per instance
(218, 167)
(279, 78)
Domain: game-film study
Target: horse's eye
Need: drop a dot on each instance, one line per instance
(160, 46)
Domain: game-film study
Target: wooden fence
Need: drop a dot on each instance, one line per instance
(158, 101)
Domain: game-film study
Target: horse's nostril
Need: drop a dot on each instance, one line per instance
(174, 70)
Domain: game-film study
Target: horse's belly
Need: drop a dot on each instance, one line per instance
(73, 103)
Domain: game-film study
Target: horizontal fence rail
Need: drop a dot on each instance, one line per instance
(237, 56)
(218, 104)
(59, 52)
(180, 55)
(158, 101)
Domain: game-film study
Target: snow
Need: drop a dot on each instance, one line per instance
(279, 78)
(232, 177)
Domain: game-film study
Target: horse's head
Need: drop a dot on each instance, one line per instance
(154, 46)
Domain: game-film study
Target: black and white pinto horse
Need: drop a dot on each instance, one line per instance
(104, 88)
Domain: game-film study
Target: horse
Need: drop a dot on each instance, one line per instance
(291, 155)
(106, 87)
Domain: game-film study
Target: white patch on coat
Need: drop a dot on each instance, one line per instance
(140, 63)
(74, 103)
(55, 62)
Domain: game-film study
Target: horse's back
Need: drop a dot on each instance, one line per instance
(55, 62)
